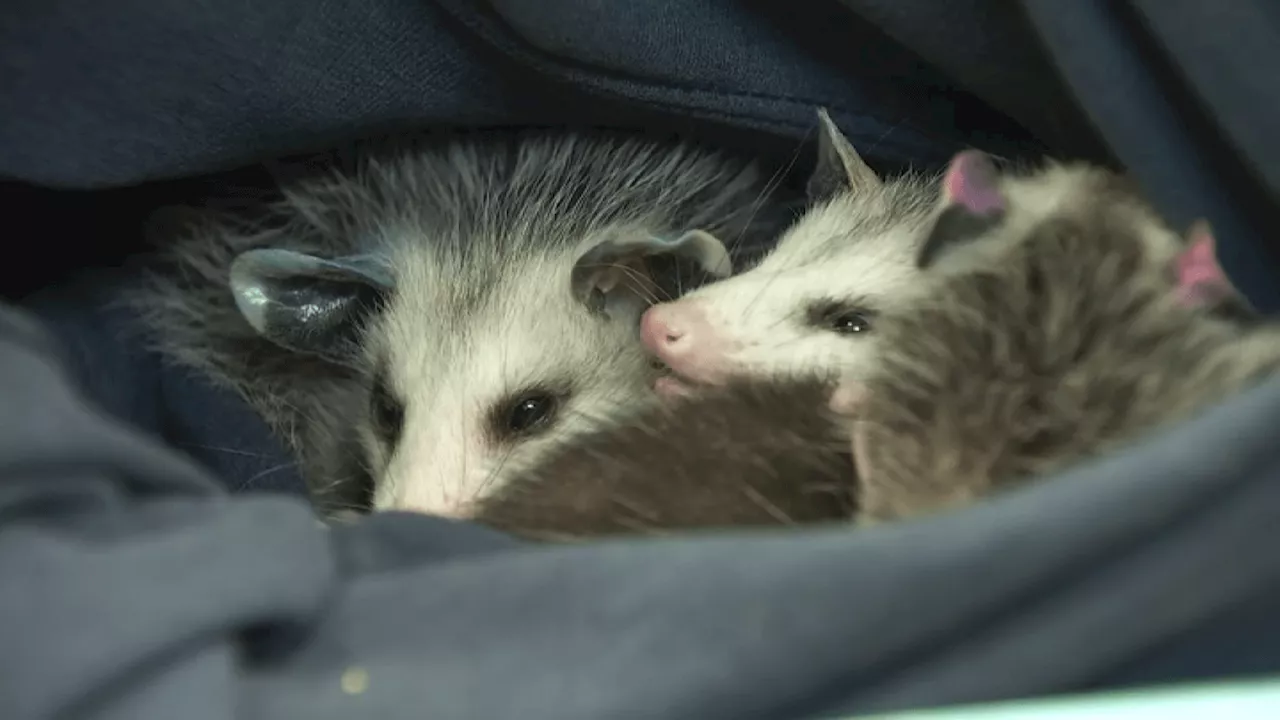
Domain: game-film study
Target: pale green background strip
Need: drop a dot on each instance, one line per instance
(1257, 700)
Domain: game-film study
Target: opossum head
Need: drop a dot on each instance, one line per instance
(474, 361)
(811, 305)
(1057, 318)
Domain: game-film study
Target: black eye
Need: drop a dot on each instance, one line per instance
(845, 318)
(528, 413)
(850, 323)
(387, 412)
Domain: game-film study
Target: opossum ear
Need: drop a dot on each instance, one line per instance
(973, 183)
(839, 167)
(308, 304)
(972, 204)
(1200, 277)
(616, 277)
(1201, 281)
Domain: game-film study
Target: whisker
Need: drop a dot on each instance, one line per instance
(227, 450)
(770, 186)
(248, 483)
(764, 504)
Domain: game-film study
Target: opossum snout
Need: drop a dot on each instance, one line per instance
(667, 331)
(679, 334)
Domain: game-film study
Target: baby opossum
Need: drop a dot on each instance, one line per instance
(1054, 317)
(420, 329)
(1058, 319)
(810, 305)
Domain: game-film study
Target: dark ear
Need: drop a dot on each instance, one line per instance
(972, 204)
(839, 167)
(308, 304)
(1201, 280)
(616, 278)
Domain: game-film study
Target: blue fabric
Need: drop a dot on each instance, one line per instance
(106, 351)
(137, 589)
(159, 88)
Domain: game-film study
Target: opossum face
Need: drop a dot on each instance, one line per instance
(475, 364)
(472, 385)
(812, 304)
(1057, 318)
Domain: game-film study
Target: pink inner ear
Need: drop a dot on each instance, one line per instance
(1200, 276)
(973, 183)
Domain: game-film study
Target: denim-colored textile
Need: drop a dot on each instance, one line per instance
(136, 588)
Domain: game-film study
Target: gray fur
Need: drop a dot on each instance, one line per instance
(476, 237)
(1028, 345)
(759, 453)
(1048, 339)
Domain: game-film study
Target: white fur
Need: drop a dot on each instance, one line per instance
(860, 246)
(534, 331)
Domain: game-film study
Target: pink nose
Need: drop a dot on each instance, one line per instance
(670, 330)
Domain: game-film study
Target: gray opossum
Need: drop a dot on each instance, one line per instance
(810, 305)
(1058, 318)
(423, 327)
(1054, 317)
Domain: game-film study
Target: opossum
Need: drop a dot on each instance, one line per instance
(419, 329)
(1054, 317)
(1058, 319)
(810, 305)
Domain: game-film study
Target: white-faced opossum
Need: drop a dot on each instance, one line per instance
(430, 324)
(810, 305)
(1054, 317)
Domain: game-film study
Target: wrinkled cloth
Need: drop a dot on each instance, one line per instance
(135, 587)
